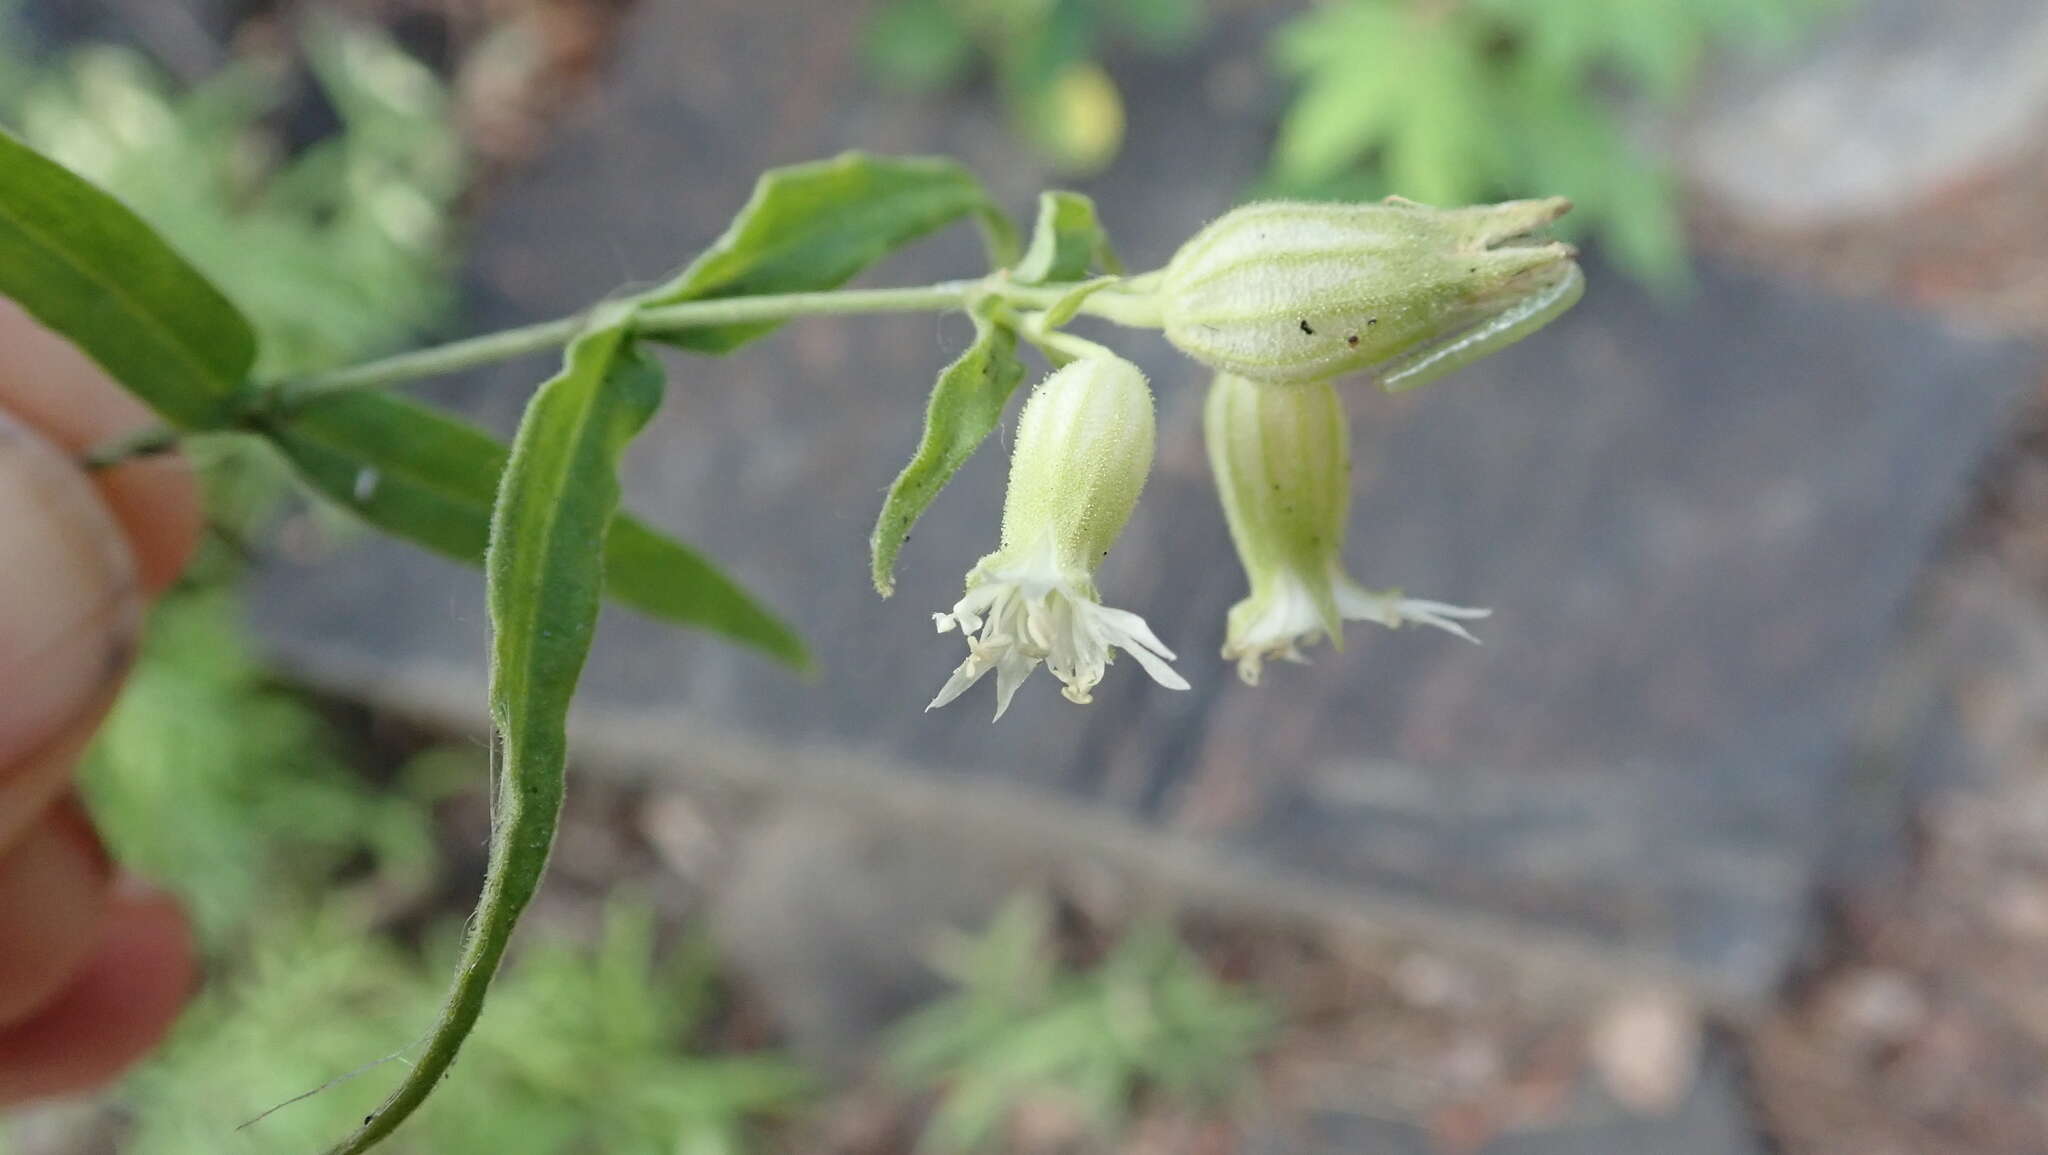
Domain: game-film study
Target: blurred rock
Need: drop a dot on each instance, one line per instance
(1923, 1027)
(1889, 103)
(187, 37)
(830, 922)
(1711, 1120)
(682, 835)
(1877, 1006)
(1645, 1045)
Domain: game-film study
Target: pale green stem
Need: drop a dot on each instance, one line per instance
(1138, 310)
(1052, 341)
(1134, 310)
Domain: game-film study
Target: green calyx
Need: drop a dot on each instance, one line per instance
(1084, 449)
(1288, 293)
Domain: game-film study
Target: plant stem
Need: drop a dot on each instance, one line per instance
(1124, 308)
(654, 322)
(663, 320)
(146, 442)
(487, 349)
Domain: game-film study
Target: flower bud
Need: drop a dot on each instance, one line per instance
(1289, 293)
(1084, 447)
(1282, 460)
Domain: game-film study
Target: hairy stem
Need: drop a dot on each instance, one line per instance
(1135, 309)
(1121, 308)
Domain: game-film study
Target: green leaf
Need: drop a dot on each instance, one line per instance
(965, 406)
(81, 263)
(546, 571)
(659, 576)
(811, 227)
(1067, 242)
(414, 471)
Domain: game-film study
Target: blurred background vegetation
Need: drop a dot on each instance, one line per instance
(1440, 101)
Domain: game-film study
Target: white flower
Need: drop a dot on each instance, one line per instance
(1282, 459)
(1286, 612)
(1028, 610)
(1084, 446)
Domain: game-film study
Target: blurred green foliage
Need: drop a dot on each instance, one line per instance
(585, 1049)
(1441, 101)
(335, 251)
(265, 810)
(1041, 54)
(1451, 103)
(1148, 1019)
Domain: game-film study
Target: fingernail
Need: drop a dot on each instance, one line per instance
(69, 602)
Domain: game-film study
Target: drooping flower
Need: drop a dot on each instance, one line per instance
(1282, 459)
(1084, 447)
(1287, 293)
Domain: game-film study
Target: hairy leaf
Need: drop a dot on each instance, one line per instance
(1067, 242)
(965, 407)
(545, 571)
(811, 227)
(81, 263)
(416, 472)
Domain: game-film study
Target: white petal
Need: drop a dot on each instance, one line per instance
(968, 673)
(1391, 609)
(1014, 622)
(1439, 615)
(1011, 670)
(1161, 673)
(1135, 628)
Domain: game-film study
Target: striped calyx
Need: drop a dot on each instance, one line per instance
(1291, 293)
(1282, 459)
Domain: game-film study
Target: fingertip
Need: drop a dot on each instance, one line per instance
(157, 502)
(53, 898)
(52, 386)
(119, 1006)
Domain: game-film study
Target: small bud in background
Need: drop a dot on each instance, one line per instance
(1084, 448)
(1078, 119)
(1282, 459)
(1286, 293)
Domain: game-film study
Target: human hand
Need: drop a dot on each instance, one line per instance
(93, 966)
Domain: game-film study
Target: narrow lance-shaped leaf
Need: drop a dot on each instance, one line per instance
(545, 569)
(966, 404)
(811, 227)
(81, 263)
(418, 473)
(1067, 242)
